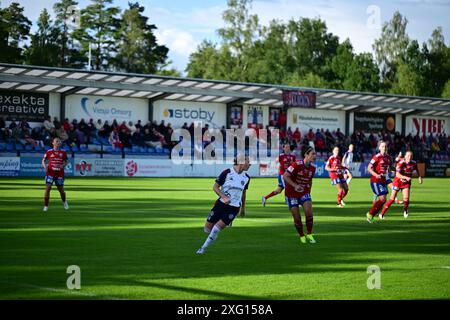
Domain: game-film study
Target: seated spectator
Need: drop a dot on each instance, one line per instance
(114, 139)
(56, 123)
(26, 137)
(66, 124)
(139, 125)
(62, 134)
(36, 134)
(297, 136)
(48, 124)
(138, 138)
(151, 139)
(132, 127)
(124, 137)
(310, 136)
(123, 126)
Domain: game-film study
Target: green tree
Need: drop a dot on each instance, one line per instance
(65, 12)
(138, 50)
(98, 26)
(446, 91)
(209, 62)
(390, 47)
(362, 74)
(438, 59)
(14, 31)
(240, 31)
(44, 49)
(312, 47)
(341, 62)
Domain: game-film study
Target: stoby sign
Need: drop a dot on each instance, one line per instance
(179, 112)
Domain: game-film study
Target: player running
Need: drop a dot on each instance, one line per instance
(230, 186)
(285, 160)
(379, 169)
(336, 169)
(298, 179)
(389, 180)
(404, 171)
(54, 172)
(347, 161)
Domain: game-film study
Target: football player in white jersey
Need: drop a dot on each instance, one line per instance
(347, 161)
(230, 186)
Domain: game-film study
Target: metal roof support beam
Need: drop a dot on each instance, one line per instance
(100, 84)
(381, 104)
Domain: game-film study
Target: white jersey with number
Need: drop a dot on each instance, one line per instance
(348, 159)
(233, 185)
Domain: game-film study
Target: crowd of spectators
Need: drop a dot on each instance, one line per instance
(125, 135)
(366, 143)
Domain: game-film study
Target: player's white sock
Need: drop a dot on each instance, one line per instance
(211, 237)
(348, 180)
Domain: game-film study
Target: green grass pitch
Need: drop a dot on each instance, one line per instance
(137, 238)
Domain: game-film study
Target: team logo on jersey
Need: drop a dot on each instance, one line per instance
(131, 168)
(230, 216)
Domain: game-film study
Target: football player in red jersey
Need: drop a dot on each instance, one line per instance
(285, 160)
(298, 178)
(336, 169)
(379, 170)
(402, 181)
(54, 172)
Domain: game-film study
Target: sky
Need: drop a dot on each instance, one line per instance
(183, 24)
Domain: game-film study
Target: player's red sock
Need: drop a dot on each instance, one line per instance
(405, 205)
(46, 201)
(345, 194)
(376, 207)
(299, 227)
(270, 195)
(309, 224)
(386, 206)
(63, 196)
(340, 197)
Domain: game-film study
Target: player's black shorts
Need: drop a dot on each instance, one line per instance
(224, 212)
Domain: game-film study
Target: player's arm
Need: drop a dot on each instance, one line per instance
(328, 168)
(288, 179)
(400, 176)
(416, 168)
(372, 172)
(242, 210)
(222, 195)
(44, 162)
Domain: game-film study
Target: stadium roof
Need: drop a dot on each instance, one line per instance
(155, 87)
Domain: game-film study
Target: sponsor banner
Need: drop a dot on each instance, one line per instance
(305, 119)
(147, 168)
(299, 99)
(438, 167)
(376, 122)
(179, 112)
(32, 167)
(85, 167)
(29, 106)
(9, 166)
(235, 116)
(106, 108)
(108, 167)
(255, 117)
(427, 125)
